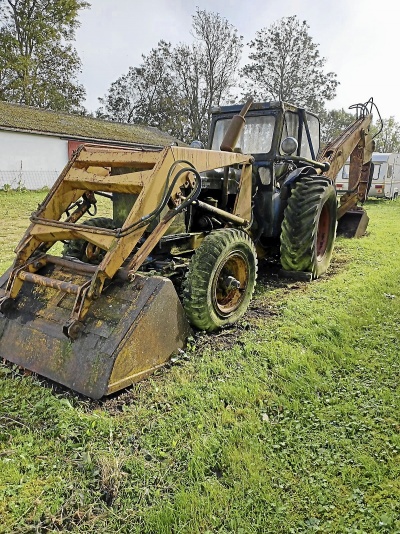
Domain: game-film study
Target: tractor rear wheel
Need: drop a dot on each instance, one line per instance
(84, 251)
(309, 226)
(221, 279)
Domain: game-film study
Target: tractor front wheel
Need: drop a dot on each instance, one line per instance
(309, 226)
(221, 279)
(84, 251)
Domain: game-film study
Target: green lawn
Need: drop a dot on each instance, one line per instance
(287, 423)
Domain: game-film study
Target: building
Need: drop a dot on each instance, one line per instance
(36, 144)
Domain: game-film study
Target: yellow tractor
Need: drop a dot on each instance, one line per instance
(181, 247)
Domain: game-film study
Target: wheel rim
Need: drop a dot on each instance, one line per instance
(229, 284)
(92, 252)
(323, 232)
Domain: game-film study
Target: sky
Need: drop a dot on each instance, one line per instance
(358, 38)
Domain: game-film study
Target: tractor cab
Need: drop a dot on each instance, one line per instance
(280, 137)
(267, 125)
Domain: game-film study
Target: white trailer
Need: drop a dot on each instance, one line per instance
(385, 181)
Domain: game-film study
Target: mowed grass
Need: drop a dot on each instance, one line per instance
(15, 209)
(288, 423)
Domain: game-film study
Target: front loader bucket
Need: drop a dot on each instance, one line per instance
(353, 223)
(130, 331)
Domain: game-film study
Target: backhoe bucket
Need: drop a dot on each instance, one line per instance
(353, 223)
(130, 331)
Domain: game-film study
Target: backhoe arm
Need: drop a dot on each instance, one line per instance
(356, 142)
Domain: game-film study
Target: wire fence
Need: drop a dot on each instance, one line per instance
(31, 180)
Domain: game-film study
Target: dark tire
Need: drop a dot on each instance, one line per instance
(212, 296)
(309, 226)
(84, 251)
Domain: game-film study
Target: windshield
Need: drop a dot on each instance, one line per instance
(255, 138)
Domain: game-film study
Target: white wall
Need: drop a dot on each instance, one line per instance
(30, 160)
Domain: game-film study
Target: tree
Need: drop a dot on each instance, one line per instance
(286, 65)
(38, 64)
(333, 123)
(174, 88)
(218, 51)
(388, 140)
(145, 93)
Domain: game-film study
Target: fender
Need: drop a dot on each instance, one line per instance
(292, 179)
(297, 173)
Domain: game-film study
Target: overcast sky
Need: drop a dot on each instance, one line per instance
(358, 38)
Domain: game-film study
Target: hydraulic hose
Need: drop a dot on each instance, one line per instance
(147, 219)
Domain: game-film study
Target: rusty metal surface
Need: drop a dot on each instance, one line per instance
(159, 330)
(51, 283)
(364, 181)
(130, 331)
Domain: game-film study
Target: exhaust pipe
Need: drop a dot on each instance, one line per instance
(235, 128)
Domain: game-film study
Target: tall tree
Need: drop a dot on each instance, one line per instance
(333, 123)
(218, 49)
(174, 88)
(286, 65)
(147, 94)
(38, 64)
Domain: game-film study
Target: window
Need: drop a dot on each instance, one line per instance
(255, 138)
(377, 171)
(291, 129)
(291, 125)
(313, 126)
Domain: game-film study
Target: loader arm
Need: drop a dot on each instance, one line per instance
(158, 180)
(99, 328)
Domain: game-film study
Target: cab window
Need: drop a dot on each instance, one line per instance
(313, 126)
(255, 138)
(291, 125)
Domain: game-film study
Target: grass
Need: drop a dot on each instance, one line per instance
(15, 209)
(288, 423)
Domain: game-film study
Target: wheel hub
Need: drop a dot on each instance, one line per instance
(230, 283)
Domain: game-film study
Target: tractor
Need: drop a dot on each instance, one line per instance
(181, 247)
